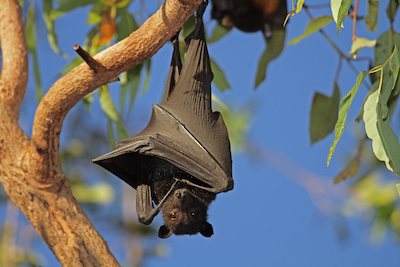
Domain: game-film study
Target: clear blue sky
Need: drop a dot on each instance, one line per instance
(269, 219)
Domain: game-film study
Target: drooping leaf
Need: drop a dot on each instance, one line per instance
(295, 10)
(343, 110)
(219, 77)
(274, 48)
(313, 25)
(324, 114)
(107, 104)
(359, 43)
(121, 131)
(385, 143)
(350, 171)
(30, 31)
(49, 22)
(67, 5)
(373, 88)
(130, 83)
(147, 63)
(392, 9)
(372, 19)
(219, 31)
(126, 25)
(384, 47)
(100, 193)
(188, 27)
(87, 100)
(339, 9)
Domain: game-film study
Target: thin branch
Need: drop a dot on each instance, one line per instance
(14, 72)
(338, 50)
(355, 20)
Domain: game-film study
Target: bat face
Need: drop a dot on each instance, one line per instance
(184, 213)
(185, 209)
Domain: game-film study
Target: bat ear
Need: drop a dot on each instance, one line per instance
(164, 232)
(206, 229)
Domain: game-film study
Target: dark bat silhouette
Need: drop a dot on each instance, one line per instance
(250, 15)
(182, 159)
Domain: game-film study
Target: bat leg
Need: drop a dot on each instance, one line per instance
(144, 203)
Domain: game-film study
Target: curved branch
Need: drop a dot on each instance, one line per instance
(14, 72)
(139, 46)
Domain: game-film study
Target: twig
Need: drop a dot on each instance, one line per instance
(355, 20)
(338, 50)
(93, 64)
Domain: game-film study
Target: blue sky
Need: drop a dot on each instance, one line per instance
(269, 219)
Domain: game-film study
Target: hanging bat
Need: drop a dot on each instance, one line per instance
(250, 15)
(182, 159)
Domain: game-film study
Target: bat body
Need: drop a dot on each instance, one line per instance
(250, 15)
(182, 159)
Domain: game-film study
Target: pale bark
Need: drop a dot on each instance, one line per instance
(30, 170)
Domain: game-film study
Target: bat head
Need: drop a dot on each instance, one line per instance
(185, 213)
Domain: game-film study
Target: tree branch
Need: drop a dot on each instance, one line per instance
(30, 171)
(14, 72)
(67, 91)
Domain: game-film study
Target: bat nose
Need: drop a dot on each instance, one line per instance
(180, 193)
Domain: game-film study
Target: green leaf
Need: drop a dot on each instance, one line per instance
(350, 171)
(31, 43)
(126, 26)
(188, 27)
(392, 9)
(67, 5)
(313, 25)
(107, 104)
(372, 19)
(274, 48)
(218, 32)
(398, 188)
(324, 114)
(343, 110)
(373, 88)
(147, 78)
(219, 77)
(100, 193)
(87, 100)
(394, 61)
(384, 47)
(49, 22)
(359, 43)
(130, 83)
(295, 10)
(339, 9)
(121, 131)
(385, 143)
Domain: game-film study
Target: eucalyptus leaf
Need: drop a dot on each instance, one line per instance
(219, 77)
(107, 104)
(274, 48)
(313, 25)
(219, 31)
(372, 19)
(324, 114)
(343, 111)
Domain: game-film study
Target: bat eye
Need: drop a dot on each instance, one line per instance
(174, 215)
(193, 213)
